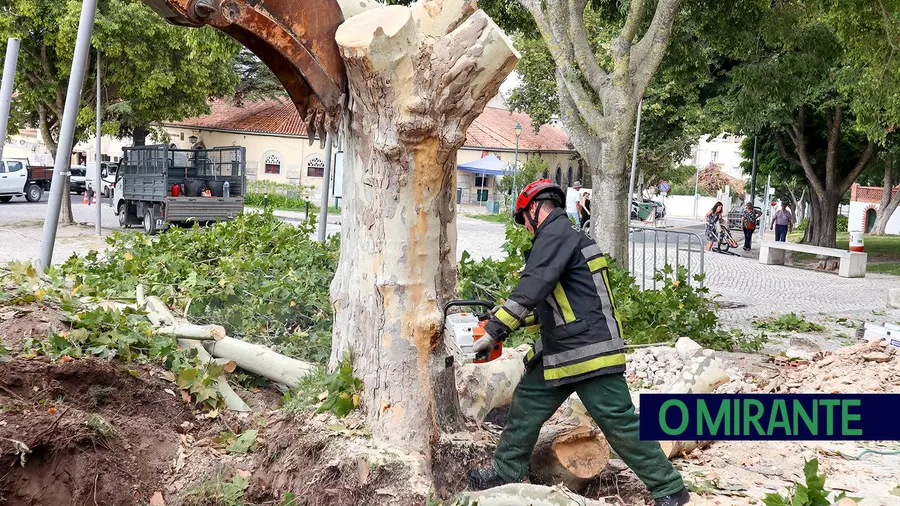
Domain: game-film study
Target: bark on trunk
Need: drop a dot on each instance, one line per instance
(889, 200)
(483, 387)
(65, 211)
(610, 178)
(139, 136)
(418, 76)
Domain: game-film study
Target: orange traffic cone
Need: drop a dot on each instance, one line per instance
(95, 198)
(85, 199)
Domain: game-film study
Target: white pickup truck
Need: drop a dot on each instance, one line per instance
(107, 177)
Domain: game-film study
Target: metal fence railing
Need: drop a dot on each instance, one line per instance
(651, 249)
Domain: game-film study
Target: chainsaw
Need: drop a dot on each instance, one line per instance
(461, 330)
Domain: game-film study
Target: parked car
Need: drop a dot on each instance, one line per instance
(78, 179)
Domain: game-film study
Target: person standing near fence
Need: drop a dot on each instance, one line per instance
(748, 221)
(573, 203)
(782, 223)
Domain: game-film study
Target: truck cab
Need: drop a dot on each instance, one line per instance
(159, 185)
(13, 176)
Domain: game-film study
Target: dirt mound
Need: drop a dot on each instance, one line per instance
(18, 323)
(88, 432)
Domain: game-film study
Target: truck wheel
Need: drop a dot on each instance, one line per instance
(123, 215)
(34, 193)
(149, 222)
(5, 199)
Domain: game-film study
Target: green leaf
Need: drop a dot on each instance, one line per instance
(244, 443)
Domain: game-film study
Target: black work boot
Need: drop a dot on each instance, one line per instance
(676, 499)
(482, 478)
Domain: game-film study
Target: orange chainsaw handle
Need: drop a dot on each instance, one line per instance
(479, 332)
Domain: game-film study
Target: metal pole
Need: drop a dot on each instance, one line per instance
(515, 169)
(696, 189)
(753, 173)
(637, 134)
(6, 89)
(67, 130)
(98, 185)
(323, 211)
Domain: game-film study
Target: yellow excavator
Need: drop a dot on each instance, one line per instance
(294, 38)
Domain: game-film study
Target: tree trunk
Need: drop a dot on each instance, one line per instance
(65, 211)
(139, 136)
(418, 76)
(889, 200)
(610, 177)
(825, 232)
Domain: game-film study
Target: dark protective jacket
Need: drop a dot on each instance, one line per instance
(565, 287)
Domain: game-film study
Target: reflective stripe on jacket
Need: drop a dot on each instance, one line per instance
(565, 283)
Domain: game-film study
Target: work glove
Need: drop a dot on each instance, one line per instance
(483, 347)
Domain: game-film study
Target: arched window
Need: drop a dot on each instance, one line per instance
(580, 173)
(273, 163)
(558, 175)
(315, 167)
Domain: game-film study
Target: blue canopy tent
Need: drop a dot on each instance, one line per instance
(488, 166)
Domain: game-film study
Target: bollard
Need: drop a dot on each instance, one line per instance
(266, 201)
(307, 210)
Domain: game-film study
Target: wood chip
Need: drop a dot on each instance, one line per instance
(157, 499)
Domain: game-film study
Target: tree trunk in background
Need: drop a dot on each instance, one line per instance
(598, 103)
(889, 200)
(418, 76)
(139, 136)
(65, 210)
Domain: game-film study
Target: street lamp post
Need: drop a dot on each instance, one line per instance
(518, 131)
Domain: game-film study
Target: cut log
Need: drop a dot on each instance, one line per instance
(678, 449)
(228, 365)
(702, 375)
(197, 332)
(483, 387)
(522, 494)
(261, 360)
(232, 401)
(570, 456)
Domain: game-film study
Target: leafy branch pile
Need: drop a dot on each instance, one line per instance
(264, 280)
(648, 316)
(811, 493)
(788, 323)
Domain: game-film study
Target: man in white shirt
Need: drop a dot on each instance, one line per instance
(573, 203)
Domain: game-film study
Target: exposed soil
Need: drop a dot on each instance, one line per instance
(18, 323)
(94, 433)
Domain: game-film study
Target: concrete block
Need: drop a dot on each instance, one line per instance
(894, 298)
(854, 266)
(771, 256)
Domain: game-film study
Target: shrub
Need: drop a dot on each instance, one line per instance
(264, 280)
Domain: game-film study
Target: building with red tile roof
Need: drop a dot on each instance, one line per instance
(278, 148)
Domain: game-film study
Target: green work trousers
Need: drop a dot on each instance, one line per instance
(607, 400)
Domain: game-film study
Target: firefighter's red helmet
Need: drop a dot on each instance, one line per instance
(542, 189)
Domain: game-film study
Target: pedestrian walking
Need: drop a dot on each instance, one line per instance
(573, 203)
(748, 221)
(713, 222)
(564, 288)
(783, 223)
(585, 207)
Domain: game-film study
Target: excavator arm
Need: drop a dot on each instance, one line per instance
(294, 38)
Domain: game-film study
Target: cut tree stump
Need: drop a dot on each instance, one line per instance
(678, 449)
(569, 455)
(260, 360)
(417, 77)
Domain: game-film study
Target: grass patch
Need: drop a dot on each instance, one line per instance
(883, 251)
(493, 218)
(885, 268)
(788, 323)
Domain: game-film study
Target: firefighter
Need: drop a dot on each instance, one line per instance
(565, 288)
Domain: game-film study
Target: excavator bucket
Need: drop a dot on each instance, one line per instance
(294, 38)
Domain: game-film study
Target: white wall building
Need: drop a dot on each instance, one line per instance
(723, 150)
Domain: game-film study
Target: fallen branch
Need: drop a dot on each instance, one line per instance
(232, 401)
(260, 360)
(190, 331)
(158, 312)
(483, 387)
